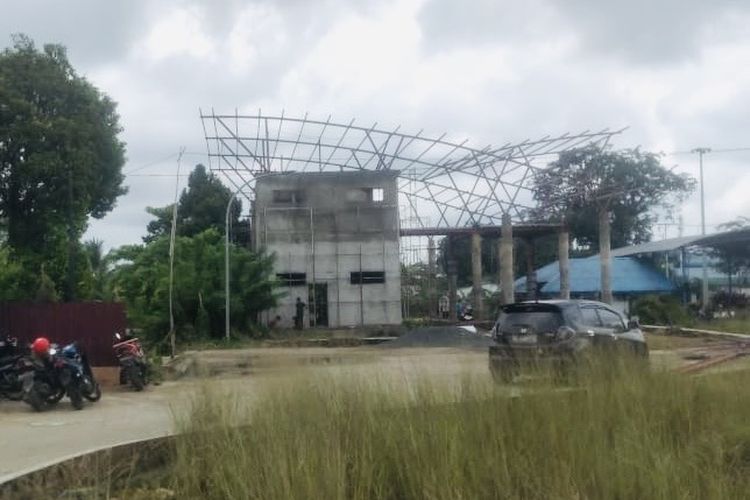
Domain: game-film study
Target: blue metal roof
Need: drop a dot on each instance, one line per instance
(629, 276)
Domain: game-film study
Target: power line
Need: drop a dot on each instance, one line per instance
(712, 151)
(162, 160)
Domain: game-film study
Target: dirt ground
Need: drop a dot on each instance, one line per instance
(33, 440)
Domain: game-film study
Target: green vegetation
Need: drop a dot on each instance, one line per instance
(139, 274)
(60, 163)
(141, 279)
(623, 432)
(629, 184)
(661, 310)
(201, 206)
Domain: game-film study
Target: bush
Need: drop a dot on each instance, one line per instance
(660, 310)
(722, 299)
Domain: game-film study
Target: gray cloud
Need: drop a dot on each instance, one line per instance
(638, 31)
(488, 71)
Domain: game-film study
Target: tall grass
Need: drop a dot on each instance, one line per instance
(616, 431)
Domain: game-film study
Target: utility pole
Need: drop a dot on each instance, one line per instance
(172, 238)
(704, 288)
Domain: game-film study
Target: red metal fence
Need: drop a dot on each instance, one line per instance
(92, 324)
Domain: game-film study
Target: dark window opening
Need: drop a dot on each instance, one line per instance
(292, 279)
(367, 277)
(287, 196)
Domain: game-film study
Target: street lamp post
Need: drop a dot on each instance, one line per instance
(704, 287)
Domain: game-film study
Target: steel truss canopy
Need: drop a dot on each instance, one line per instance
(442, 184)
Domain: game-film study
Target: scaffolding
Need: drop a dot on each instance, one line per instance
(442, 183)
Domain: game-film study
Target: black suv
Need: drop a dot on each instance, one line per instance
(559, 330)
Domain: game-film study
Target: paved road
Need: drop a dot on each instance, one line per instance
(29, 440)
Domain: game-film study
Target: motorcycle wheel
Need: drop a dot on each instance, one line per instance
(56, 397)
(36, 400)
(76, 399)
(135, 375)
(95, 395)
(14, 395)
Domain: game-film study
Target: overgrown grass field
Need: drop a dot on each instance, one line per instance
(618, 430)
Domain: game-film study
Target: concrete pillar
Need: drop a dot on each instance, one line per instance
(476, 272)
(604, 256)
(432, 280)
(530, 269)
(563, 255)
(452, 273)
(506, 261)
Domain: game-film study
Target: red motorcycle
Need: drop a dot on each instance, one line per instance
(134, 368)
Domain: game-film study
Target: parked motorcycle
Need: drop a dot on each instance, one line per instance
(58, 373)
(77, 358)
(12, 365)
(42, 385)
(134, 368)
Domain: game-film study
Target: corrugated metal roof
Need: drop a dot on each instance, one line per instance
(656, 246)
(629, 276)
(716, 239)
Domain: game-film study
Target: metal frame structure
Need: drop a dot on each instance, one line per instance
(450, 183)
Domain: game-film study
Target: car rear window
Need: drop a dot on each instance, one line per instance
(541, 321)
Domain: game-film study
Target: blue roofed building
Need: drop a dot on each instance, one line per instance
(630, 277)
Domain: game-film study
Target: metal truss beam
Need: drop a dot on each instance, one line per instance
(454, 183)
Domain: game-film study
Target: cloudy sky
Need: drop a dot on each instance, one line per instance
(676, 72)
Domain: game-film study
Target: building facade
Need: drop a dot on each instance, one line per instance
(335, 236)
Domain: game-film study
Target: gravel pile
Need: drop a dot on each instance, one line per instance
(441, 336)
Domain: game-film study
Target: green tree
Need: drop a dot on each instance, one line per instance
(97, 269)
(629, 184)
(733, 257)
(141, 278)
(60, 158)
(202, 205)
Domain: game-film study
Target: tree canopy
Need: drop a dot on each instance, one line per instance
(733, 258)
(202, 205)
(60, 157)
(630, 184)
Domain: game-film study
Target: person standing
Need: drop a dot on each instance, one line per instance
(300, 314)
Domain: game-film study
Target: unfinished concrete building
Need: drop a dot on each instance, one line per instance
(335, 236)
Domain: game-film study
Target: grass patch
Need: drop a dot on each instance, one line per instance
(621, 431)
(731, 325)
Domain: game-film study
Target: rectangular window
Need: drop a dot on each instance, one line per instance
(292, 279)
(366, 194)
(287, 196)
(367, 277)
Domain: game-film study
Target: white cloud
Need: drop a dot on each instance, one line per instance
(178, 31)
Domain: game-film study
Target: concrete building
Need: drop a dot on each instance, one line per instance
(336, 240)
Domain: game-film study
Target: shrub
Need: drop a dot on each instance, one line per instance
(660, 310)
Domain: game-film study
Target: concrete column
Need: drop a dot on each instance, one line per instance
(432, 281)
(476, 272)
(604, 256)
(451, 271)
(506, 261)
(563, 255)
(530, 269)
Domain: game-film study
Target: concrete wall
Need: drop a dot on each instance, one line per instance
(331, 225)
